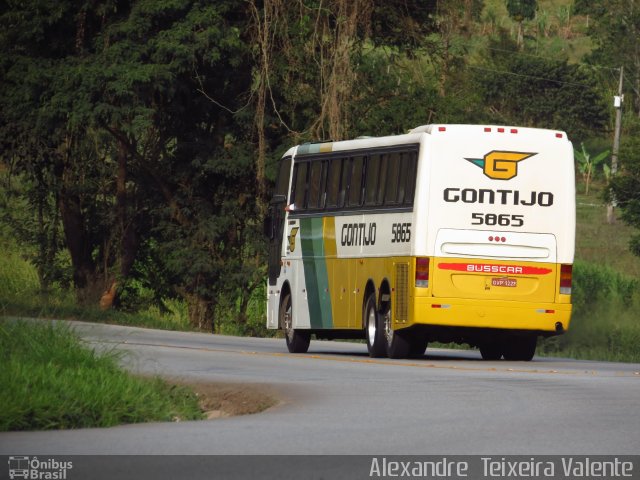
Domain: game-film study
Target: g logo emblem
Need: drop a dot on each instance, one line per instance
(500, 165)
(292, 239)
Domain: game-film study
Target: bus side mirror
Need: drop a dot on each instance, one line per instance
(267, 227)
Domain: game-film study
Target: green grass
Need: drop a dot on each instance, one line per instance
(601, 243)
(606, 293)
(49, 380)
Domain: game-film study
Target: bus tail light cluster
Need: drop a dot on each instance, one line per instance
(422, 272)
(565, 279)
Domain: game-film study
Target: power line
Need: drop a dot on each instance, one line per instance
(506, 72)
(523, 54)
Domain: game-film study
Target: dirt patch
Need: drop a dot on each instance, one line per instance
(220, 400)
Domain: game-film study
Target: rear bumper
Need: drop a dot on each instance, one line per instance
(455, 312)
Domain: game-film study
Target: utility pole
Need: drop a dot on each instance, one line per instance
(617, 104)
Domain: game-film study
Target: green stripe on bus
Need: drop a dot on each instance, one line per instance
(315, 273)
(314, 148)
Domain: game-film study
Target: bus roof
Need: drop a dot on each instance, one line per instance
(414, 136)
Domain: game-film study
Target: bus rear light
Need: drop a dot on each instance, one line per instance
(565, 279)
(558, 135)
(442, 129)
(422, 272)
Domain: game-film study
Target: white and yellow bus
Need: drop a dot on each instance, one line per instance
(450, 233)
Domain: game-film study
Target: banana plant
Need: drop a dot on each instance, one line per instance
(588, 164)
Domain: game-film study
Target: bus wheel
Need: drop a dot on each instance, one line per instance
(491, 350)
(374, 328)
(297, 340)
(418, 345)
(398, 344)
(520, 348)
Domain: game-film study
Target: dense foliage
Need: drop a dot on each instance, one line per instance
(140, 136)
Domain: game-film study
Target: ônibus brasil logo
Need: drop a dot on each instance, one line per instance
(500, 165)
(32, 468)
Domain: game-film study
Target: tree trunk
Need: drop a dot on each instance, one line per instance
(129, 240)
(200, 312)
(88, 284)
(520, 40)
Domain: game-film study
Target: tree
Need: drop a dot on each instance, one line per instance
(615, 30)
(109, 110)
(521, 10)
(625, 187)
(538, 92)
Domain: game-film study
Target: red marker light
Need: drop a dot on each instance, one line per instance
(442, 129)
(566, 274)
(422, 272)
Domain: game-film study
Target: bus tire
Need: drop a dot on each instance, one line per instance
(521, 349)
(418, 345)
(491, 350)
(398, 341)
(297, 340)
(374, 328)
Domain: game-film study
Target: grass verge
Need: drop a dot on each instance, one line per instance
(604, 323)
(50, 381)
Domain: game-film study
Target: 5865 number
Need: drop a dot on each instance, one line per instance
(492, 219)
(400, 232)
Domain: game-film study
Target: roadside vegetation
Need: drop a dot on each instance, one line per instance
(606, 294)
(606, 288)
(50, 381)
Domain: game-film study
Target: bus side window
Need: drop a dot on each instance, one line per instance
(333, 182)
(372, 180)
(384, 161)
(315, 184)
(344, 181)
(300, 186)
(391, 189)
(355, 184)
(282, 183)
(323, 185)
(409, 183)
(406, 178)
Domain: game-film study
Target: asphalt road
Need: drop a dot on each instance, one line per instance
(336, 400)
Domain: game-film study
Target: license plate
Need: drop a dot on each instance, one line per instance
(504, 282)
